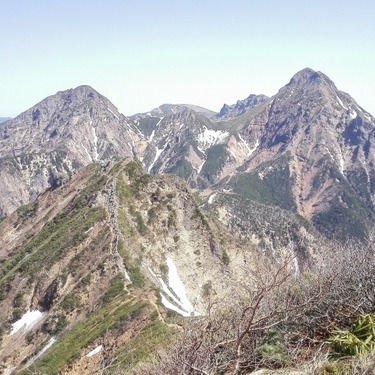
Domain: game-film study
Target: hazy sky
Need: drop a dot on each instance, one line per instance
(141, 54)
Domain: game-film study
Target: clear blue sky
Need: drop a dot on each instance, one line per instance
(141, 54)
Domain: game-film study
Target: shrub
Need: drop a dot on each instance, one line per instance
(359, 340)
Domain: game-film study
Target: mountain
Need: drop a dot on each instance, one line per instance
(46, 144)
(171, 109)
(110, 260)
(242, 106)
(102, 266)
(317, 140)
(3, 119)
(307, 149)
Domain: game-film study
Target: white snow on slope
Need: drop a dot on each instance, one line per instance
(250, 150)
(151, 136)
(51, 341)
(199, 167)
(353, 114)
(211, 137)
(114, 114)
(97, 350)
(127, 277)
(172, 307)
(212, 198)
(341, 161)
(96, 156)
(178, 288)
(341, 103)
(158, 153)
(88, 154)
(175, 291)
(161, 118)
(329, 152)
(28, 320)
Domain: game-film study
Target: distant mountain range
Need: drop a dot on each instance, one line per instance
(112, 226)
(307, 149)
(3, 119)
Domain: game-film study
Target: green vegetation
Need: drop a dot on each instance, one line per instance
(225, 258)
(132, 267)
(109, 318)
(347, 216)
(359, 340)
(181, 168)
(270, 185)
(25, 212)
(216, 157)
(115, 289)
(152, 337)
(65, 231)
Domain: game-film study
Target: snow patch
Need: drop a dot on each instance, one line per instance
(199, 167)
(341, 161)
(158, 153)
(181, 125)
(51, 341)
(353, 114)
(233, 154)
(212, 198)
(96, 155)
(95, 351)
(175, 291)
(211, 137)
(172, 307)
(28, 321)
(250, 150)
(114, 114)
(329, 152)
(131, 148)
(88, 154)
(161, 118)
(151, 136)
(178, 288)
(341, 103)
(127, 277)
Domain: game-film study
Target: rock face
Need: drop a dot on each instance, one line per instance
(47, 143)
(242, 106)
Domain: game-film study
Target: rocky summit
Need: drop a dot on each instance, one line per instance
(50, 141)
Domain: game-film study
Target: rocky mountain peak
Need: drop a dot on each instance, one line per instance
(308, 76)
(56, 137)
(228, 112)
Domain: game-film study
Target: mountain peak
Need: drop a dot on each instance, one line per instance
(308, 76)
